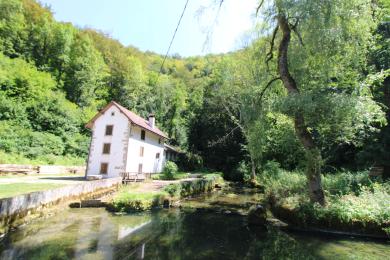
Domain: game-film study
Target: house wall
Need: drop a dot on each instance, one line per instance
(151, 147)
(119, 141)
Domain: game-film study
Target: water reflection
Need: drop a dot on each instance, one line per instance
(172, 234)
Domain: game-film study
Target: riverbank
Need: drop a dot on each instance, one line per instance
(19, 209)
(356, 203)
(187, 233)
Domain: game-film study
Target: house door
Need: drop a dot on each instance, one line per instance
(156, 163)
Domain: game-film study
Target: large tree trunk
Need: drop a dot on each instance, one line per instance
(313, 155)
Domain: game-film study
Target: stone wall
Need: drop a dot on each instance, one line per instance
(41, 169)
(13, 210)
(18, 168)
(54, 169)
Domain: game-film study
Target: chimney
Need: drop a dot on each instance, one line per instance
(152, 120)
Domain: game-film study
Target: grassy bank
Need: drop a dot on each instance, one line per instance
(177, 176)
(355, 202)
(130, 198)
(8, 190)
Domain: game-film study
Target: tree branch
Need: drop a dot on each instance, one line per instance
(259, 6)
(270, 54)
(295, 30)
(233, 117)
(223, 138)
(299, 36)
(267, 86)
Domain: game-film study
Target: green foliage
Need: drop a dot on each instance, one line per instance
(190, 161)
(19, 79)
(12, 27)
(17, 158)
(366, 212)
(128, 201)
(244, 171)
(354, 200)
(337, 118)
(36, 121)
(370, 206)
(219, 109)
(170, 170)
(54, 77)
(342, 183)
(85, 72)
(193, 187)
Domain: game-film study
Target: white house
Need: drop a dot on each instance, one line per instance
(125, 142)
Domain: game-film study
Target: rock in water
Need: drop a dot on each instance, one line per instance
(166, 203)
(257, 215)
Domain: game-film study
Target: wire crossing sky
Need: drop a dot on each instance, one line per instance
(149, 24)
(174, 34)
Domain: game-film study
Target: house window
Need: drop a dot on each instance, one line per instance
(103, 168)
(109, 129)
(140, 168)
(141, 151)
(112, 113)
(159, 141)
(157, 155)
(142, 134)
(106, 148)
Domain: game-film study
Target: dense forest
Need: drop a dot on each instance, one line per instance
(311, 91)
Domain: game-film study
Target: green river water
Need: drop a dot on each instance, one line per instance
(193, 232)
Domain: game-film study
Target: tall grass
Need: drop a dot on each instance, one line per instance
(352, 197)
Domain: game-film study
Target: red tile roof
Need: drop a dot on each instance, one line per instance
(134, 118)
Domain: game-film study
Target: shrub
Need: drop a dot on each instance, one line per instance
(188, 188)
(243, 170)
(44, 143)
(354, 201)
(170, 169)
(190, 161)
(346, 182)
(128, 201)
(272, 169)
(369, 210)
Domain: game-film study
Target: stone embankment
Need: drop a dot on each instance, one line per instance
(17, 210)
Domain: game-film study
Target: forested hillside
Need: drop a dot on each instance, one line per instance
(54, 77)
(229, 112)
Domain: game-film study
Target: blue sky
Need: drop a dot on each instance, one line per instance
(149, 24)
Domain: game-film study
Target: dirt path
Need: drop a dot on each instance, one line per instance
(155, 185)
